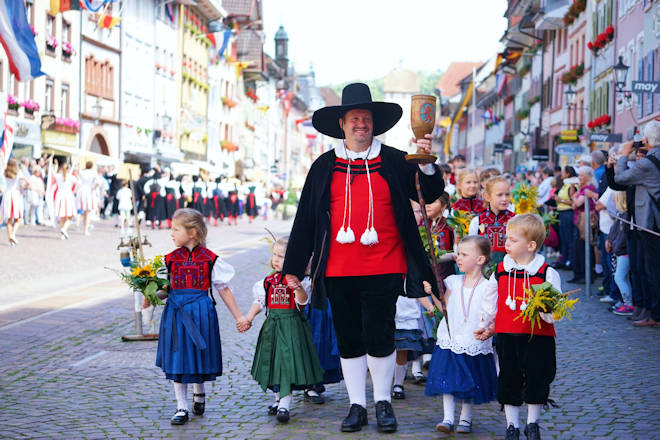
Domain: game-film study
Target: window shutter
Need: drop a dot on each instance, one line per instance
(640, 77)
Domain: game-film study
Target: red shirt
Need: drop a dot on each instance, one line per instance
(505, 320)
(472, 205)
(493, 227)
(356, 259)
(190, 270)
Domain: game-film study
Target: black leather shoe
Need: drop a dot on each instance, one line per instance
(272, 410)
(180, 417)
(512, 433)
(198, 407)
(317, 399)
(532, 431)
(385, 417)
(398, 393)
(283, 415)
(356, 419)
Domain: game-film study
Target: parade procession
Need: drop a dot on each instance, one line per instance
(227, 219)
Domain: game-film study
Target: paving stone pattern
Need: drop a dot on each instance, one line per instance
(52, 388)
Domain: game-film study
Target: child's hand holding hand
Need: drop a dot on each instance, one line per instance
(427, 288)
(483, 333)
(243, 324)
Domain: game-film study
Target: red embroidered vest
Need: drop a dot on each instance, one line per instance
(445, 235)
(494, 228)
(190, 270)
(278, 294)
(505, 320)
(472, 205)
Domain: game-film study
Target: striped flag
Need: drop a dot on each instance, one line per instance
(57, 6)
(6, 143)
(107, 21)
(18, 40)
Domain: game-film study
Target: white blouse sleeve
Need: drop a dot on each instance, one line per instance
(489, 304)
(307, 285)
(259, 293)
(474, 226)
(552, 276)
(222, 273)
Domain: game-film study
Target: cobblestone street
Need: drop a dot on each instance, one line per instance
(66, 374)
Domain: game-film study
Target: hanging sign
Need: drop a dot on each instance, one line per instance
(646, 86)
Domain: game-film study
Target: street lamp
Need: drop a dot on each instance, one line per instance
(621, 71)
(570, 96)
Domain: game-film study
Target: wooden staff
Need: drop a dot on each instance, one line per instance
(136, 219)
(434, 261)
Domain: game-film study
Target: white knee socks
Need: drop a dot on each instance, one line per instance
(400, 374)
(198, 388)
(180, 391)
(448, 407)
(533, 412)
(466, 412)
(512, 415)
(355, 379)
(382, 373)
(417, 367)
(285, 402)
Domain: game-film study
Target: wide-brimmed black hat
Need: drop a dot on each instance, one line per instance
(356, 96)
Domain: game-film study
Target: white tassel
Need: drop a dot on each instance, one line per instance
(341, 235)
(507, 301)
(512, 305)
(364, 239)
(373, 235)
(350, 235)
(523, 305)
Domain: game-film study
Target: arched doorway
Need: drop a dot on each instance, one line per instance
(99, 145)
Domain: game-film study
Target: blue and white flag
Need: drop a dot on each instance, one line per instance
(18, 40)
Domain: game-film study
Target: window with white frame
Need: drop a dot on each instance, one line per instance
(48, 97)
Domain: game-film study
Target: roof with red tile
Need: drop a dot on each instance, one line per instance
(330, 96)
(238, 7)
(449, 81)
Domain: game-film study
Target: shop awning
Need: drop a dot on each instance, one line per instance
(552, 20)
(81, 155)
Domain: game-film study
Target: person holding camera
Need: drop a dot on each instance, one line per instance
(644, 175)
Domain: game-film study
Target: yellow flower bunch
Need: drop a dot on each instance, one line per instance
(148, 278)
(525, 198)
(543, 298)
(459, 221)
(525, 206)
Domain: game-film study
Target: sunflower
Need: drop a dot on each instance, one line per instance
(524, 206)
(143, 272)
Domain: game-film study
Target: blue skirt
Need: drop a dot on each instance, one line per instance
(408, 339)
(325, 341)
(189, 348)
(464, 376)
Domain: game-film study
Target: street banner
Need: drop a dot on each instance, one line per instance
(605, 137)
(646, 87)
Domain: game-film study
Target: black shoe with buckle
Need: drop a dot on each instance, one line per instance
(272, 409)
(199, 407)
(180, 417)
(398, 393)
(313, 398)
(355, 420)
(512, 433)
(385, 417)
(283, 415)
(533, 431)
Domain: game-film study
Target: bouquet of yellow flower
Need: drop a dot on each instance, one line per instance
(543, 298)
(459, 221)
(425, 242)
(524, 198)
(147, 278)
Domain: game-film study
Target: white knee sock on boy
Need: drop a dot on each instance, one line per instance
(355, 379)
(466, 412)
(533, 412)
(512, 415)
(382, 373)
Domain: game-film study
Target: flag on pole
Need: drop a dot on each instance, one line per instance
(18, 40)
(107, 21)
(170, 14)
(57, 6)
(488, 114)
(6, 143)
(500, 82)
(216, 37)
(94, 5)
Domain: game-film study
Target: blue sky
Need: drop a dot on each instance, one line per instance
(365, 39)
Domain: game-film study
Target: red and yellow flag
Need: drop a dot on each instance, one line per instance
(57, 6)
(107, 21)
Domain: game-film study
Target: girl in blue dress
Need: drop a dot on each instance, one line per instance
(189, 341)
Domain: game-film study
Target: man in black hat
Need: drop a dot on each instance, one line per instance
(356, 223)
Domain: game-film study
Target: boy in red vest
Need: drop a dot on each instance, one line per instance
(527, 363)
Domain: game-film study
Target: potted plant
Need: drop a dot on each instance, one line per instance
(30, 106)
(12, 103)
(67, 50)
(51, 43)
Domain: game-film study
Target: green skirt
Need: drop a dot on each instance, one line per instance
(286, 358)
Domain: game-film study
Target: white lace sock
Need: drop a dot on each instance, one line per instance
(417, 367)
(180, 391)
(512, 415)
(448, 407)
(355, 379)
(466, 412)
(198, 388)
(382, 373)
(277, 399)
(285, 402)
(399, 374)
(533, 412)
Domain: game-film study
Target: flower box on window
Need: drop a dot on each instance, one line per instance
(600, 122)
(30, 106)
(67, 125)
(228, 146)
(67, 50)
(51, 43)
(12, 103)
